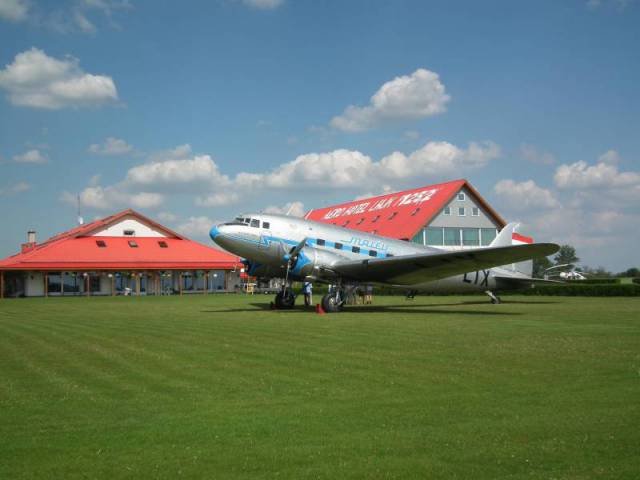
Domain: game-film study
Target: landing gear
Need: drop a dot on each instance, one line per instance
(494, 298)
(285, 299)
(332, 302)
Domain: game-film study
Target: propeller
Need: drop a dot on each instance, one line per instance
(291, 258)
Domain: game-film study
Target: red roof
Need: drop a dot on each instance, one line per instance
(75, 250)
(398, 215)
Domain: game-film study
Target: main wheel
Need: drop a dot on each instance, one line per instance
(285, 300)
(330, 303)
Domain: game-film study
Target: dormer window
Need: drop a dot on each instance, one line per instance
(129, 233)
(360, 221)
(413, 214)
(101, 244)
(133, 244)
(375, 219)
(392, 216)
(163, 244)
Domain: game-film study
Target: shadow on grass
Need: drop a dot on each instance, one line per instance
(408, 308)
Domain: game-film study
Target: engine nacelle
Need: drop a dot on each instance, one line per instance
(315, 263)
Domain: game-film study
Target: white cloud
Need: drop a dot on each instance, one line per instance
(531, 154)
(294, 209)
(610, 156)
(195, 226)
(525, 195)
(618, 4)
(263, 4)
(218, 199)
(111, 146)
(412, 134)
(198, 175)
(14, 10)
(14, 189)
(38, 81)
(167, 217)
(605, 174)
(112, 197)
(409, 97)
(34, 156)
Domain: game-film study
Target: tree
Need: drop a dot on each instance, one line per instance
(566, 255)
(630, 272)
(540, 265)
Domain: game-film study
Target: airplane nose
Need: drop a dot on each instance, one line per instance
(214, 232)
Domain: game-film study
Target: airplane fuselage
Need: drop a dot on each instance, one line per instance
(265, 241)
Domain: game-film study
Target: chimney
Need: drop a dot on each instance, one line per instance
(31, 242)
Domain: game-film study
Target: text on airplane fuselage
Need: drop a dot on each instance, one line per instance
(407, 199)
(363, 242)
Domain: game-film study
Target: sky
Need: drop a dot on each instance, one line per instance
(192, 112)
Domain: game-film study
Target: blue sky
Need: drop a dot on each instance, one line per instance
(193, 111)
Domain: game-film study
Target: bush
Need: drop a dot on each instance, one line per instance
(597, 281)
(584, 290)
(636, 280)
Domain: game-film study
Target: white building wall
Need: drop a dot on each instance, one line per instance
(140, 229)
(34, 284)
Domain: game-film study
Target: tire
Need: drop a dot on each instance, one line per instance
(285, 300)
(330, 305)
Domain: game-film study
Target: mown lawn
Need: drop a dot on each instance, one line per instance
(220, 387)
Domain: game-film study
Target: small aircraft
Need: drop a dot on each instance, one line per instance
(280, 246)
(570, 274)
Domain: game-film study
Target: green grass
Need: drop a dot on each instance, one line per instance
(220, 387)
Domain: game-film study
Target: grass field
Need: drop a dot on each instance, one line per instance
(220, 387)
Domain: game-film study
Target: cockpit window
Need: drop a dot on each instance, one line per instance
(255, 222)
(266, 225)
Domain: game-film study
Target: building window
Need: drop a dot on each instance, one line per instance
(475, 212)
(447, 211)
(255, 223)
(461, 212)
(133, 244)
(163, 244)
(360, 221)
(487, 235)
(451, 236)
(471, 237)
(373, 253)
(101, 243)
(355, 249)
(435, 236)
(461, 196)
(338, 246)
(266, 225)
(129, 233)
(392, 216)
(345, 223)
(375, 219)
(415, 211)
(419, 238)
(320, 242)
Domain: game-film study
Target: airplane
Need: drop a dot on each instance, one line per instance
(280, 246)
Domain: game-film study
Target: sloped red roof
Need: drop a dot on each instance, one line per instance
(74, 250)
(398, 215)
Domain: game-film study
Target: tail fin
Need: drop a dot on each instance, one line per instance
(505, 237)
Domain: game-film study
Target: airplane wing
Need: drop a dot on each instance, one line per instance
(429, 266)
(518, 282)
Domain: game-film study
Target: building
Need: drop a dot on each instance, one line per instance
(126, 253)
(451, 215)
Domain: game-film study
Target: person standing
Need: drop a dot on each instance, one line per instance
(307, 289)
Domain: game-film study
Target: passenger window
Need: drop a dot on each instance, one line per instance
(355, 249)
(320, 242)
(373, 253)
(338, 246)
(255, 223)
(266, 225)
